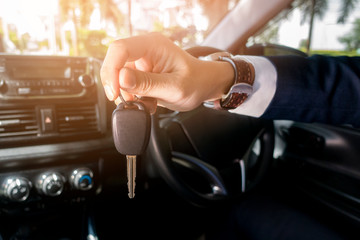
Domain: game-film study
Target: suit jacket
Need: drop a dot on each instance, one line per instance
(316, 89)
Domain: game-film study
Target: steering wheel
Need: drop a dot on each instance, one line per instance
(202, 131)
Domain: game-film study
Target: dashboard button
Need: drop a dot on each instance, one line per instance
(86, 80)
(51, 184)
(47, 120)
(82, 179)
(16, 189)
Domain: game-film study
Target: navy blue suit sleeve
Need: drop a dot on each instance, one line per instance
(316, 89)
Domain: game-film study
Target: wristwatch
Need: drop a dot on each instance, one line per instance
(243, 82)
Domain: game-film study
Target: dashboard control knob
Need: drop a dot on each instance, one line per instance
(16, 188)
(82, 179)
(86, 80)
(51, 184)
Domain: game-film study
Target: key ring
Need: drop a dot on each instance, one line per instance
(123, 100)
(136, 98)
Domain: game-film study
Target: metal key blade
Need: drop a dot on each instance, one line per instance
(131, 174)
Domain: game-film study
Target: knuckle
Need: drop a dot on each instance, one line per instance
(147, 84)
(156, 34)
(118, 46)
(182, 94)
(117, 43)
(156, 38)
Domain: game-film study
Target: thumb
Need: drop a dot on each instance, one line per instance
(142, 83)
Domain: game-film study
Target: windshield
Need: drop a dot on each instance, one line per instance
(87, 27)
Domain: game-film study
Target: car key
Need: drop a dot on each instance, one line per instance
(131, 133)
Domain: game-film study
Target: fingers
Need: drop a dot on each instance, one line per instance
(145, 83)
(119, 53)
(151, 66)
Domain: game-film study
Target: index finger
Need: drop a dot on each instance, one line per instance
(118, 53)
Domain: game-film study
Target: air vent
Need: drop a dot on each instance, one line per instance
(77, 119)
(18, 122)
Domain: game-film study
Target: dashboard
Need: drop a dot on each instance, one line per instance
(53, 128)
(57, 152)
(59, 169)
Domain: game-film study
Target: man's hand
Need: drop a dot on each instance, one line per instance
(153, 66)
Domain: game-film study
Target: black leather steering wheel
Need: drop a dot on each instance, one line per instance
(166, 160)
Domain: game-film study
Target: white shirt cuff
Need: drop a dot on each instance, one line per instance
(264, 87)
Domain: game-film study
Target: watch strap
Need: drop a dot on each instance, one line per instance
(242, 87)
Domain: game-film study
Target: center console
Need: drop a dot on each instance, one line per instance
(53, 129)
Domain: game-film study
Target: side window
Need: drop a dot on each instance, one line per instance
(333, 29)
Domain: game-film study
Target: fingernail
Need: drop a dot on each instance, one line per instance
(109, 92)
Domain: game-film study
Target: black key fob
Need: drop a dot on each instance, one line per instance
(131, 128)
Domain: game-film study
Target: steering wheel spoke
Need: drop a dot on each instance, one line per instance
(210, 173)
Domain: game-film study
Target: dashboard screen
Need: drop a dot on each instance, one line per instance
(40, 70)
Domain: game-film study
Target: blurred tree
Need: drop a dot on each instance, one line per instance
(270, 34)
(129, 17)
(14, 38)
(214, 10)
(181, 36)
(302, 44)
(86, 8)
(347, 6)
(109, 11)
(2, 48)
(318, 8)
(312, 9)
(92, 43)
(68, 10)
(352, 39)
(80, 11)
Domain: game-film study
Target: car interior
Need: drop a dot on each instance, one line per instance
(205, 174)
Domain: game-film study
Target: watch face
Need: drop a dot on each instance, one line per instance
(241, 88)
